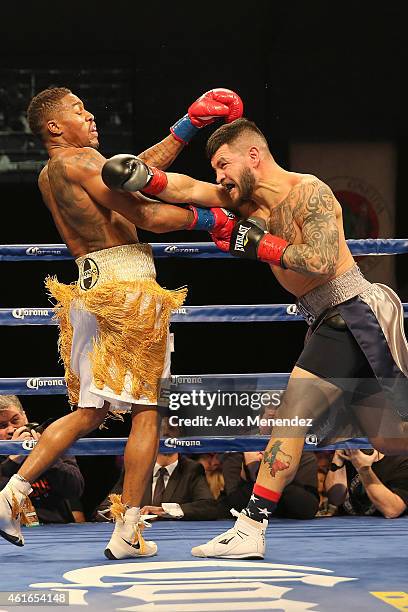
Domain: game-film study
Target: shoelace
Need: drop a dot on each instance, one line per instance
(138, 528)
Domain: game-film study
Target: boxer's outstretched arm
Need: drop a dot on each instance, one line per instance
(145, 214)
(127, 173)
(214, 104)
(184, 189)
(162, 154)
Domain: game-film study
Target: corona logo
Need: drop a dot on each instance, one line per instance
(173, 248)
(36, 383)
(292, 309)
(29, 444)
(21, 313)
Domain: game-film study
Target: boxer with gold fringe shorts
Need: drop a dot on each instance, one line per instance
(114, 328)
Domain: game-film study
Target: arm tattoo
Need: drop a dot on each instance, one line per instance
(316, 216)
(162, 154)
(276, 459)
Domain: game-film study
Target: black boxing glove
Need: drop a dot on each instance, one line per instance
(125, 172)
(249, 239)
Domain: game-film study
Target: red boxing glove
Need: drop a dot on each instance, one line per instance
(214, 104)
(219, 222)
(271, 249)
(157, 182)
(224, 224)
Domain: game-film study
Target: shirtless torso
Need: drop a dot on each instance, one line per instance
(89, 216)
(302, 208)
(84, 225)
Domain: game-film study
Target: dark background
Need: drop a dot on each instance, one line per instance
(313, 71)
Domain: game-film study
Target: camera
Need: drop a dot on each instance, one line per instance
(39, 428)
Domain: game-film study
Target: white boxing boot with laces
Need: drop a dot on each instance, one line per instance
(127, 541)
(245, 540)
(12, 499)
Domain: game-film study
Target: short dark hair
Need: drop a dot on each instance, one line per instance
(227, 133)
(42, 105)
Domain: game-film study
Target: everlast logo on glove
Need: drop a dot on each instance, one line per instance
(245, 238)
(241, 239)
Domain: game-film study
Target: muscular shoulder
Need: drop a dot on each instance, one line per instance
(77, 164)
(311, 195)
(43, 177)
(44, 183)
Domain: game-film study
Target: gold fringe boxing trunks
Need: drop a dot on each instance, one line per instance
(114, 328)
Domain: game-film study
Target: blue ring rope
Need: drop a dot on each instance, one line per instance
(55, 385)
(201, 250)
(256, 313)
(213, 444)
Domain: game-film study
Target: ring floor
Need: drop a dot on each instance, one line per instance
(327, 564)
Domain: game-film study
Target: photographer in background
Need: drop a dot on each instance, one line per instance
(366, 482)
(62, 482)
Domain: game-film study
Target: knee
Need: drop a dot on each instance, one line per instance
(90, 418)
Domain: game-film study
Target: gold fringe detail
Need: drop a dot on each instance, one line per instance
(117, 512)
(117, 509)
(21, 510)
(133, 319)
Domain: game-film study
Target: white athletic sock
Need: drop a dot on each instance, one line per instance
(20, 484)
(132, 514)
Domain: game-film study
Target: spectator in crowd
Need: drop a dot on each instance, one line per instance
(366, 484)
(300, 499)
(58, 485)
(177, 487)
(212, 464)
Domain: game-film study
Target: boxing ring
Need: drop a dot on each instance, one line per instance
(323, 564)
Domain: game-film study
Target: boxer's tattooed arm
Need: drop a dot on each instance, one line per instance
(316, 216)
(276, 460)
(162, 154)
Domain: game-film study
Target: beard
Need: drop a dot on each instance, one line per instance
(246, 186)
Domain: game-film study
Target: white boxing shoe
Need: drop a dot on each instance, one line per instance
(245, 540)
(127, 541)
(12, 499)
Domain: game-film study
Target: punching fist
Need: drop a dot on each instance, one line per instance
(212, 105)
(219, 222)
(249, 239)
(127, 172)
